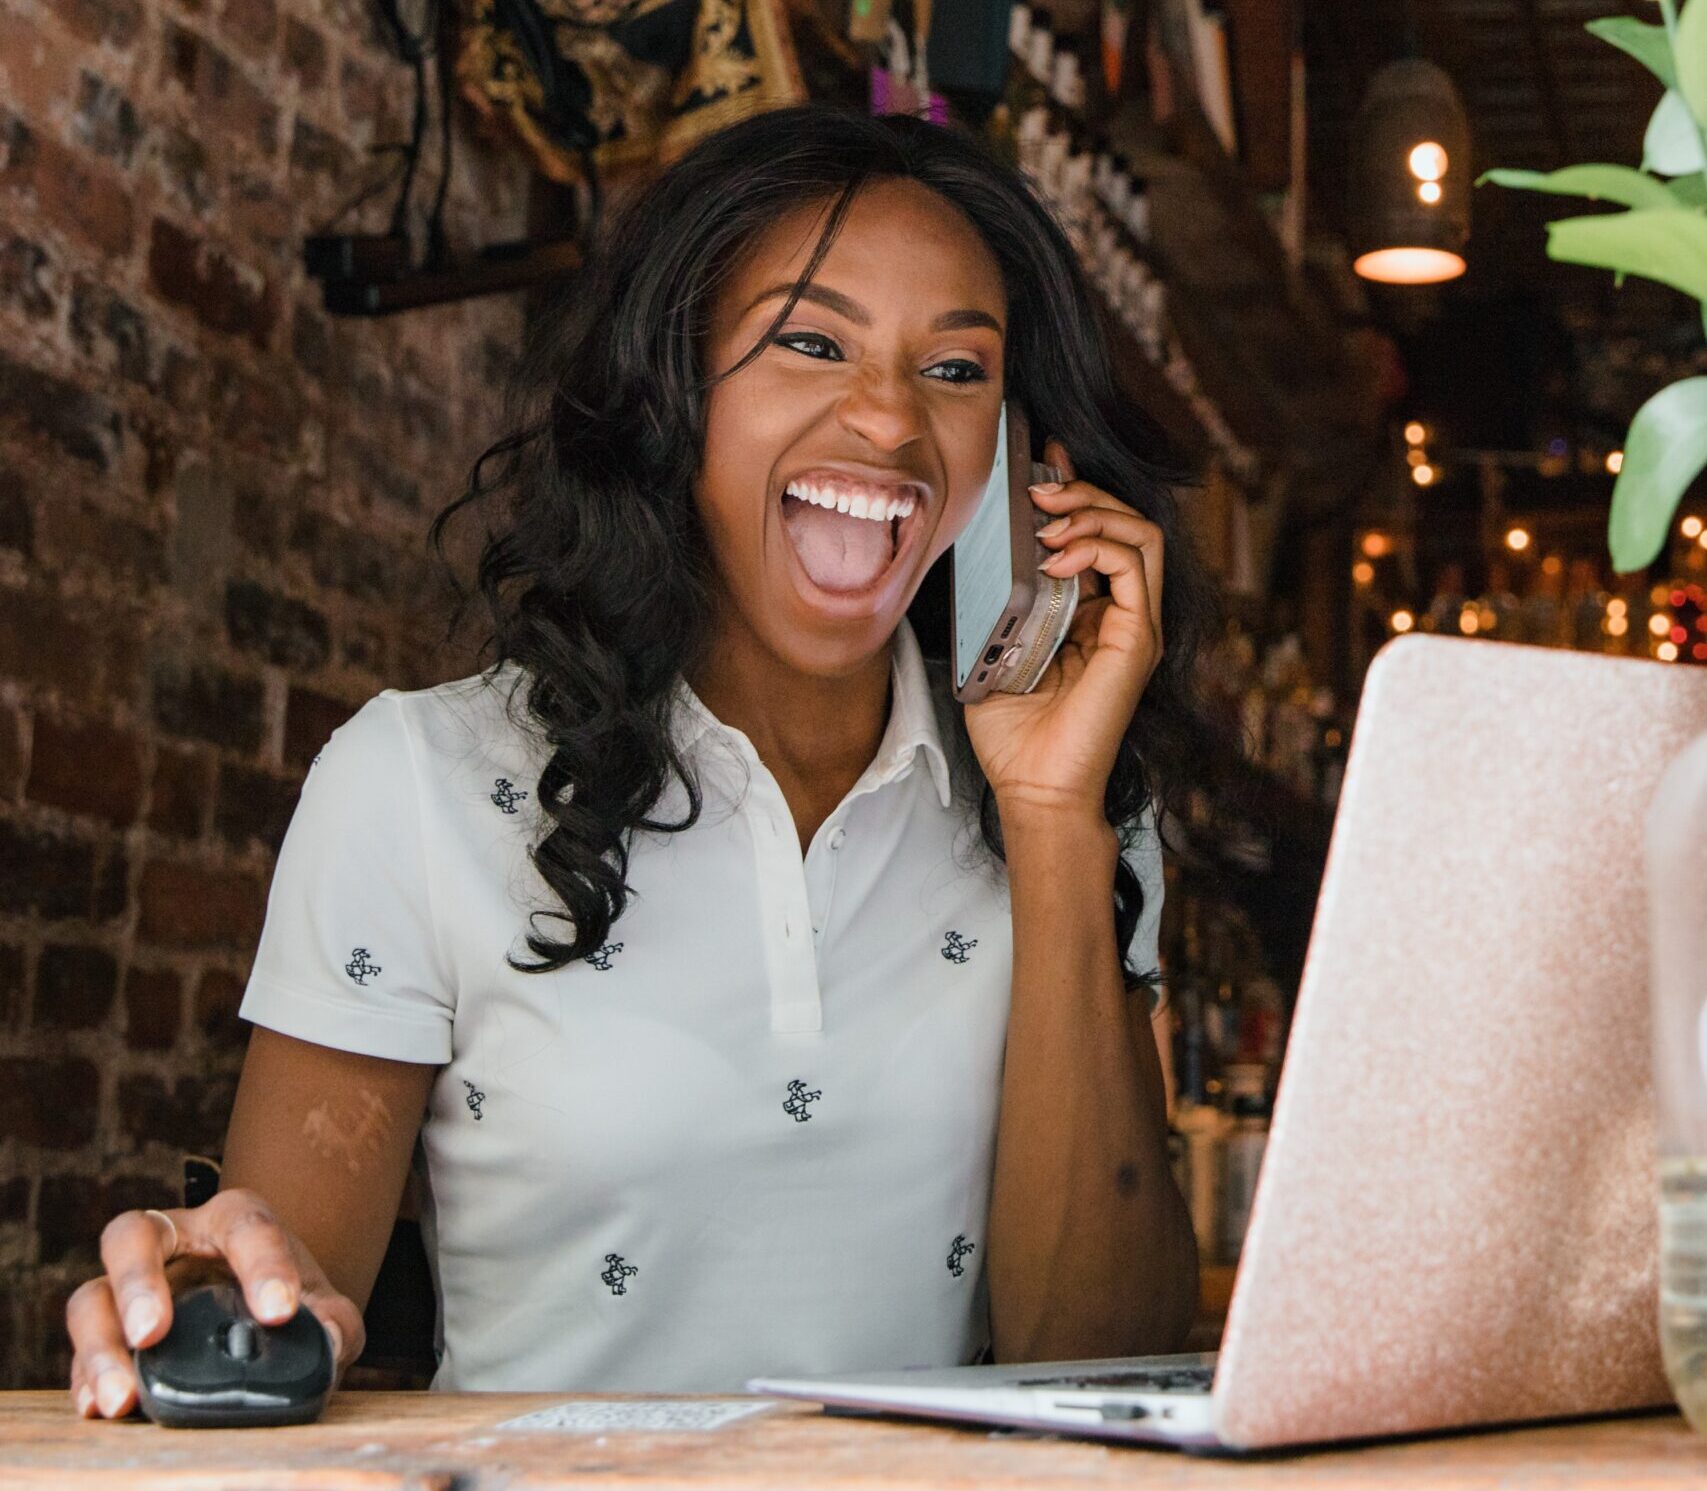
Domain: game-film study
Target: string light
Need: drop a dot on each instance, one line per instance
(1659, 623)
(1429, 192)
(1416, 455)
(1615, 461)
(1415, 433)
(1363, 572)
(1403, 621)
(1692, 526)
(1616, 626)
(1376, 544)
(1517, 539)
(1617, 606)
(1467, 622)
(1422, 475)
(1666, 652)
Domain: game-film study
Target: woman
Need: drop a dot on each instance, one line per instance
(747, 1005)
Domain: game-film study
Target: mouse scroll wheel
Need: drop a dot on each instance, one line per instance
(240, 1341)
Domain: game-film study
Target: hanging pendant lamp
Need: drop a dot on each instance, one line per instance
(1410, 177)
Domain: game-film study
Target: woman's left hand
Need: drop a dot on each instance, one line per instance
(1055, 747)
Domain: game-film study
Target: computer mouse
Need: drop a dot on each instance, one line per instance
(218, 1367)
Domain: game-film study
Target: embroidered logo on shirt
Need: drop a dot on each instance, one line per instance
(601, 958)
(957, 1250)
(506, 796)
(361, 966)
(957, 947)
(617, 1273)
(798, 1098)
(475, 1098)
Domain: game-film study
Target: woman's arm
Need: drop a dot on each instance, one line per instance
(1091, 1248)
(325, 1137)
(315, 1160)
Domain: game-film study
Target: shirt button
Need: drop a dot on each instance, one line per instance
(837, 837)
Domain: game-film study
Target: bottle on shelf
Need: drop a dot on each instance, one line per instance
(1039, 59)
(1135, 207)
(1031, 137)
(1002, 127)
(1067, 97)
(1242, 1145)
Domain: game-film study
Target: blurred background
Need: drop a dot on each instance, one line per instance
(263, 269)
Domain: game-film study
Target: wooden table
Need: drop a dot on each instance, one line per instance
(452, 1442)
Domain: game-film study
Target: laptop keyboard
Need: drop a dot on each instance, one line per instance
(1143, 1380)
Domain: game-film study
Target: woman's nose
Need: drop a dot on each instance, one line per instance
(883, 409)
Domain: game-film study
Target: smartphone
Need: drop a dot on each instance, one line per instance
(1006, 618)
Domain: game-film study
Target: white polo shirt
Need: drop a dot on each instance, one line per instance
(753, 1133)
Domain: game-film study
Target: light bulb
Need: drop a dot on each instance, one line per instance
(1428, 161)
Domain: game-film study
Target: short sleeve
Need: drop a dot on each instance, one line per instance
(348, 955)
(1144, 856)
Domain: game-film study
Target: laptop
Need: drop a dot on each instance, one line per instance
(1455, 1222)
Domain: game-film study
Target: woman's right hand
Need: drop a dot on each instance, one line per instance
(233, 1234)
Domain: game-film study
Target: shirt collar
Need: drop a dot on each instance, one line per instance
(912, 717)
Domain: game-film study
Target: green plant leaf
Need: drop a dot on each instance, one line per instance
(1672, 145)
(1619, 184)
(1669, 246)
(1691, 191)
(1690, 57)
(1663, 453)
(1646, 43)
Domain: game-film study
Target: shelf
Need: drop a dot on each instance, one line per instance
(1268, 353)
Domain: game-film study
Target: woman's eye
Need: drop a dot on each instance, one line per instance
(973, 372)
(970, 372)
(789, 338)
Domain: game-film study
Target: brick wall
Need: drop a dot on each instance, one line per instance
(212, 500)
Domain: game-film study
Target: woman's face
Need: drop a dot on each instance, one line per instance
(884, 386)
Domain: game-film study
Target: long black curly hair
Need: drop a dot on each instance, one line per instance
(598, 574)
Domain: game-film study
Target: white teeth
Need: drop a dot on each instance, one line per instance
(857, 505)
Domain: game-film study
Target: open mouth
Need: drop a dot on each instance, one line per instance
(848, 542)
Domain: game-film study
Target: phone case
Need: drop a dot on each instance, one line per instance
(1024, 638)
(1044, 629)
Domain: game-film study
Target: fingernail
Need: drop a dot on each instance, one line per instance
(1046, 486)
(84, 1399)
(110, 1390)
(1049, 530)
(1053, 558)
(140, 1317)
(274, 1299)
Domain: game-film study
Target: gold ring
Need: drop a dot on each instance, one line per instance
(171, 1251)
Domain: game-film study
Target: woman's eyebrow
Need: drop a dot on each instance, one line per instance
(842, 305)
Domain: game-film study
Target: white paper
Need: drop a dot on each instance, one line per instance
(647, 1415)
